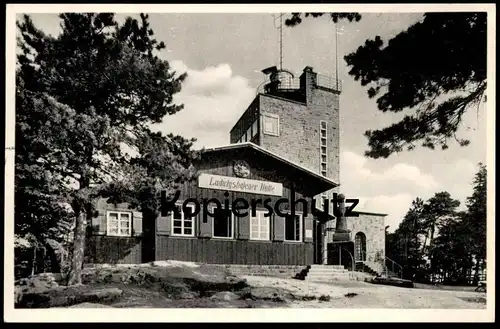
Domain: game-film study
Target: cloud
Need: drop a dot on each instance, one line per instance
(395, 206)
(356, 167)
(457, 178)
(391, 191)
(214, 98)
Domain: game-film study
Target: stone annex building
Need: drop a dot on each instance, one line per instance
(284, 145)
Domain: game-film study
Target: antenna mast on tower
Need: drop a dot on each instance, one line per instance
(336, 57)
(280, 27)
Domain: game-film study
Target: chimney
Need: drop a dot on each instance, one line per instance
(308, 82)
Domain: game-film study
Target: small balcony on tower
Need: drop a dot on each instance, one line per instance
(283, 83)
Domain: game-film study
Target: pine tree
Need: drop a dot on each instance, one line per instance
(405, 245)
(476, 217)
(438, 211)
(435, 70)
(87, 92)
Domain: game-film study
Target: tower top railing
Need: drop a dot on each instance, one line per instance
(329, 82)
(290, 83)
(286, 84)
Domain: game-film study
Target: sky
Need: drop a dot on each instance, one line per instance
(224, 54)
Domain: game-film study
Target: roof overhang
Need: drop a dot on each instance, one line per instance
(325, 183)
(332, 216)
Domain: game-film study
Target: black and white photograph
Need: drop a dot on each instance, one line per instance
(295, 157)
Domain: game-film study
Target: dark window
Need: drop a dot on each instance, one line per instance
(248, 136)
(222, 223)
(255, 128)
(360, 247)
(293, 228)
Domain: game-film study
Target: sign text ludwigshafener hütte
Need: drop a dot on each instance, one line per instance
(240, 185)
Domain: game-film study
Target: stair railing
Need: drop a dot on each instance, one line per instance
(393, 265)
(353, 263)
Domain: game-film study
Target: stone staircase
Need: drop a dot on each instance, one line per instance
(390, 274)
(311, 273)
(326, 273)
(376, 269)
(331, 273)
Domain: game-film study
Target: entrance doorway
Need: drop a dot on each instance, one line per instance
(360, 247)
(318, 242)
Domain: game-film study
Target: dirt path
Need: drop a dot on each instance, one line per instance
(373, 296)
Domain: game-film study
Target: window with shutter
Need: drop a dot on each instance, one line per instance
(271, 124)
(182, 225)
(260, 226)
(119, 223)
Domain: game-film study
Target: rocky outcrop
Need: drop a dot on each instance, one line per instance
(172, 284)
(35, 286)
(175, 281)
(68, 296)
(392, 282)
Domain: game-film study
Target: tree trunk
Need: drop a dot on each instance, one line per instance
(33, 262)
(424, 246)
(75, 277)
(431, 238)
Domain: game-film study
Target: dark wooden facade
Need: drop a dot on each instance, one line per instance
(103, 248)
(251, 114)
(234, 251)
(240, 248)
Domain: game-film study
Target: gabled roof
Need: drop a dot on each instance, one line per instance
(316, 178)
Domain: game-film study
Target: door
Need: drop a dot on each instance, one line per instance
(318, 242)
(360, 247)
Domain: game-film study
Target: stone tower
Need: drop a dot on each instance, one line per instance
(297, 119)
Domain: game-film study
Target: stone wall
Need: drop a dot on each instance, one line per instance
(280, 271)
(373, 227)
